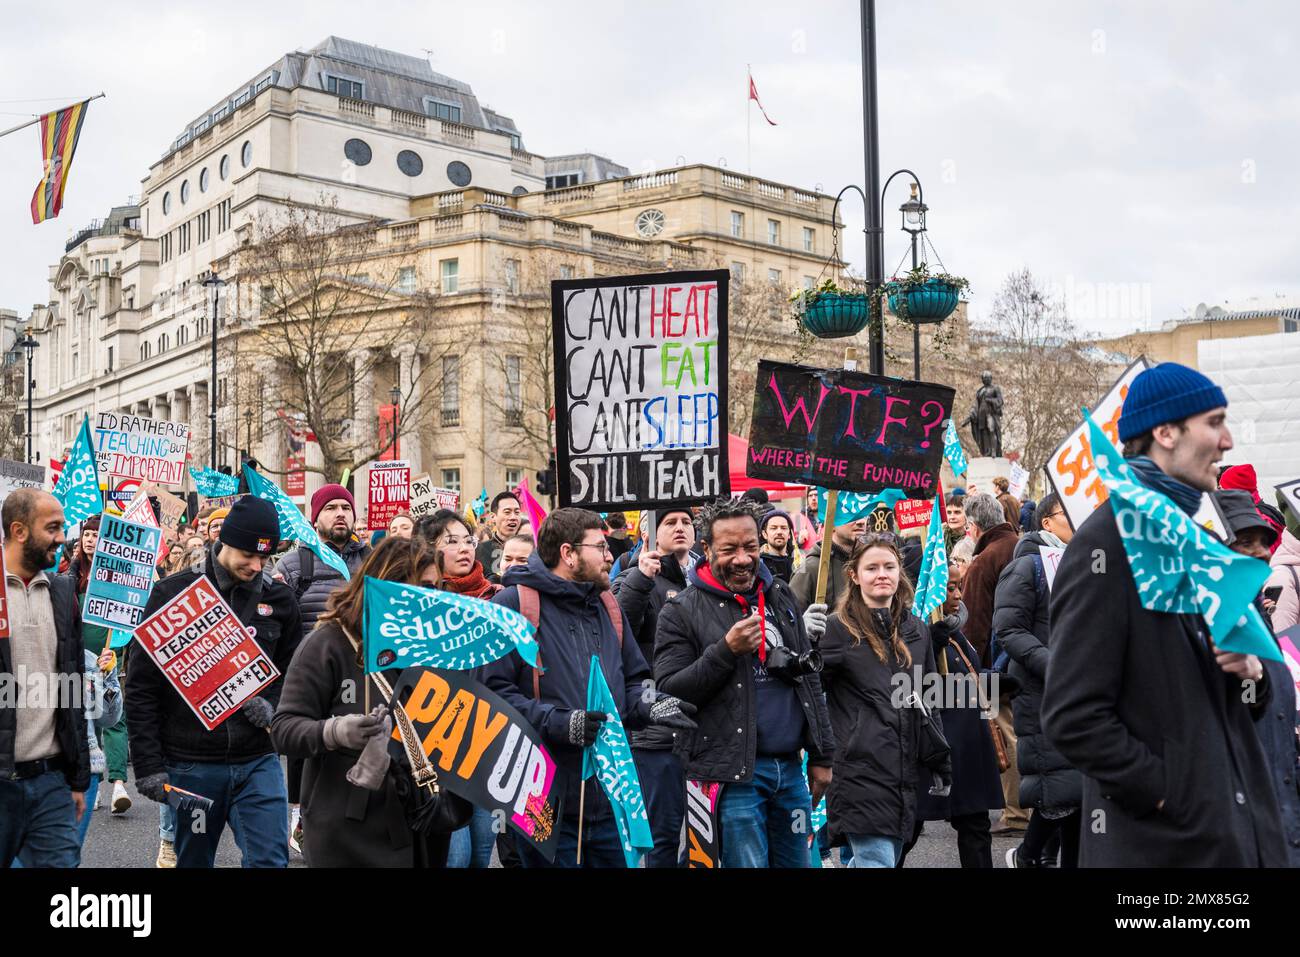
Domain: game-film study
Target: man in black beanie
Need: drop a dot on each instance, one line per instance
(234, 765)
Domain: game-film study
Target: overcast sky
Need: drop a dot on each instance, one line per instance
(1142, 156)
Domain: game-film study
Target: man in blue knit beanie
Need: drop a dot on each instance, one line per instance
(1159, 720)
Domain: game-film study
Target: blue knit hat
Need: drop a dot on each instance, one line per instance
(1168, 392)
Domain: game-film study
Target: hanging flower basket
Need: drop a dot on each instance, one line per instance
(932, 301)
(836, 315)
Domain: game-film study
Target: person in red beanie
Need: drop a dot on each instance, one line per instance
(1243, 477)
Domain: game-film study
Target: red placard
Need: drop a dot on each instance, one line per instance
(295, 483)
(389, 492)
(206, 653)
(912, 513)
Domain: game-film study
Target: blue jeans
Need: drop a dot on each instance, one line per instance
(760, 820)
(167, 823)
(38, 823)
(250, 795)
(84, 824)
(874, 850)
(471, 846)
(663, 785)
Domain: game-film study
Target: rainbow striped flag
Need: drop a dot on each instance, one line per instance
(59, 133)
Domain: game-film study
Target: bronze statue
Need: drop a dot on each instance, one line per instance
(985, 420)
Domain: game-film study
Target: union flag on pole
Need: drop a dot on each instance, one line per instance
(753, 95)
(59, 133)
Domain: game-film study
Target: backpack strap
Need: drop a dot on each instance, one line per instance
(530, 608)
(615, 613)
(306, 571)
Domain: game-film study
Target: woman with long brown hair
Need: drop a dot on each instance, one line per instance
(873, 652)
(322, 718)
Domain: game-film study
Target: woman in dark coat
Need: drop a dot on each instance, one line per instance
(346, 825)
(871, 646)
(1048, 783)
(976, 781)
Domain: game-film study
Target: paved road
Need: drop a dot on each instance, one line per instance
(131, 840)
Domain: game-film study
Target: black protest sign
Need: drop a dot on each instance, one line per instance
(485, 751)
(847, 430)
(641, 389)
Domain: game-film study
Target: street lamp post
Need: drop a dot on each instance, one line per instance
(396, 395)
(31, 345)
(248, 432)
(213, 284)
(914, 224)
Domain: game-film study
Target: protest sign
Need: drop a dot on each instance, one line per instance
(171, 508)
(121, 574)
(1211, 518)
(913, 513)
(136, 447)
(485, 751)
(16, 475)
(1288, 493)
(1051, 556)
(1288, 640)
(140, 511)
(78, 486)
(847, 430)
(295, 479)
(641, 389)
(406, 626)
(388, 492)
(703, 826)
(610, 761)
(207, 654)
(1070, 468)
(1018, 480)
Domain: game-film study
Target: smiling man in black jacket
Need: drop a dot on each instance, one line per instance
(234, 764)
(713, 647)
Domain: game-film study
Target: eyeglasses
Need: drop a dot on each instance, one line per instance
(451, 541)
(603, 546)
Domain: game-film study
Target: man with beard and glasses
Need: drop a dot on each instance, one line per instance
(44, 754)
(564, 591)
(333, 512)
(719, 646)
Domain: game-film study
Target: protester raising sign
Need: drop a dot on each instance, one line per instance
(135, 447)
(293, 524)
(641, 389)
(486, 751)
(1070, 468)
(847, 430)
(206, 653)
(122, 573)
(406, 626)
(78, 487)
(389, 492)
(1178, 567)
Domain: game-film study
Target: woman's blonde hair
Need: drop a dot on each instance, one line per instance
(857, 617)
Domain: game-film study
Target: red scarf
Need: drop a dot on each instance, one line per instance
(705, 574)
(475, 584)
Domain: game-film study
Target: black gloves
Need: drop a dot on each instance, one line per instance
(258, 711)
(152, 786)
(584, 726)
(672, 712)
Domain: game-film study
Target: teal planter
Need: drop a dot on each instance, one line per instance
(836, 316)
(933, 301)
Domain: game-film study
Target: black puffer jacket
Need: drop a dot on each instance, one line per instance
(876, 770)
(1020, 622)
(642, 599)
(321, 581)
(161, 727)
(692, 662)
(69, 722)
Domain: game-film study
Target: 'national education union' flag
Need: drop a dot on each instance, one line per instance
(1179, 567)
(952, 449)
(610, 759)
(293, 524)
(213, 484)
(932, 589)
(851, 506)
(406, 626)
(78, 486)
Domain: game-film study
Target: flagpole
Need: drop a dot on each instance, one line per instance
(37, 119)
(582, 803)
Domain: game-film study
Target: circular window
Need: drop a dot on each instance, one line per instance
(246, 155)
(458, 173)
(650, 223)
(520, 190)
(224, 168)
(185, 191)
(203, 181)
(409, 162)
(358, 151)
(167, 203)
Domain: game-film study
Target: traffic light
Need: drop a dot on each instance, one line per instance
(546, 479)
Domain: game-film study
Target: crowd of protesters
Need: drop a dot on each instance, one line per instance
(730, 660)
